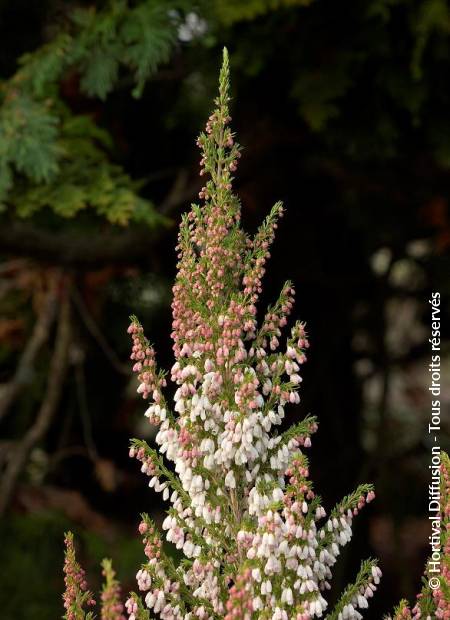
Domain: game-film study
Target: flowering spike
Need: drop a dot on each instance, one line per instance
(151, 382)
(241, 506)
(76, 596)
(112, 608)
(357, 594)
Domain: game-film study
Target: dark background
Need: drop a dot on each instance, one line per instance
(343, 112)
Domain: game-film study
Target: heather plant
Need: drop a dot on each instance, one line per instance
(255, 537)
(256, 540)
(433, 602)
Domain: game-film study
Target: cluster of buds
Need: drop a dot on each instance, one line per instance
(255, 537)
(150, 382)
(76, 595)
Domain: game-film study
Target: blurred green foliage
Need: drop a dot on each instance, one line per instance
(125, 42)
(48, 150)
(86, 180)
(120, 43)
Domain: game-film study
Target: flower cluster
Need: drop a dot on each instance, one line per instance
(135, 608)
(433, 602)
(256, 539)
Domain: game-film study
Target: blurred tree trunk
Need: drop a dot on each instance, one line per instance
(55, 382)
